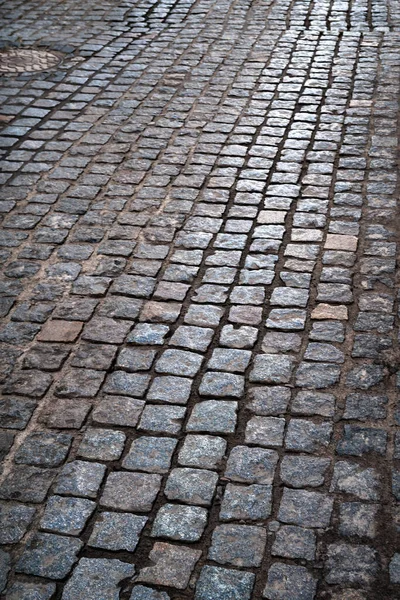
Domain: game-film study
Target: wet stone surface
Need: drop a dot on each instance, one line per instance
(199, 371)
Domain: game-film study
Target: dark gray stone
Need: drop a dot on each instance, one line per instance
(67, 515)
(150, 454)
(351, 564)
(116, 531)
(79, 478)
(31, 591)
(102, 444)
(294, 542)
(289, 582)
(251, 465)
(130, 491)
(181, 523)
(268, 401)
(192, 486)
(306, 509)
(202, 451)
(49, 555)
(15, 412)
(304, 471)
(14, 521)
(213, 416)
(358, 518)
(224, 584)
(95, 578)
(248, 503)
(44, 449)
(27, 484)
(350, 478)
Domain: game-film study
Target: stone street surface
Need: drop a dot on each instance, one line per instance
(199, 342)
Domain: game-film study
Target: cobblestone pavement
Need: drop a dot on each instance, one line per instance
(199, 348)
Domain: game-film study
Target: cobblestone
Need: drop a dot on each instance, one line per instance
(199, 370)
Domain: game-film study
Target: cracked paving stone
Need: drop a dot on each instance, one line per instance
(67, 515)
(116, 531)
(180, 523)
(94, 578)
(224, 584)
(14, 521)
(251, 465)
(172, 565)
(238, 545)
(150, 454)
(130, 491)
(49, 555)
(192, 486)
(289, 582)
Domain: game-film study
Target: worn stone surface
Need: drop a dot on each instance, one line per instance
(117, 531)
(96, 577)
(199, 346)
(49, 555)
(173, 565)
